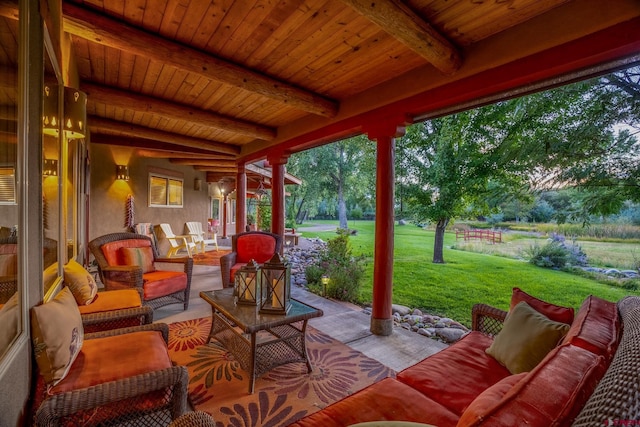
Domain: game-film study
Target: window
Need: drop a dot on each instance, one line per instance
(165, 191)
(7, 186)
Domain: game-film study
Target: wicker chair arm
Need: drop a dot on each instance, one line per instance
(226, 262)
(487, 319)
(161, 327)
(194, 419)
(61, 405)
(124, 276)
(115, 319)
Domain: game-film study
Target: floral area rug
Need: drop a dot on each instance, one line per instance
(209, 257)
(219, 386)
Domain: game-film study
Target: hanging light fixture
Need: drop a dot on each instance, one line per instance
(74, 121)
(260, 191)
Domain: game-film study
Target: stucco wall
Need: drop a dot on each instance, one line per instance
(108, 195)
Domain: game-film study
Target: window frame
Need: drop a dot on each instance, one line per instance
(171, 184)
(11, 182)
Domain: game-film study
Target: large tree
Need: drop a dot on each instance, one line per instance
(562, 136)
(341, 171)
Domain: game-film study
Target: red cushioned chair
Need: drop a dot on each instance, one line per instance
(257, 245)
(128, 260)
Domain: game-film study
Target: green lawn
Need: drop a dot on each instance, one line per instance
(467, 278)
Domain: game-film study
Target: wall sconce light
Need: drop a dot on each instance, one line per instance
(74, 108)
(50, 167)
(122, 172)
(197, 184)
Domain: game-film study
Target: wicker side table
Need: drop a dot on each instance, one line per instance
(259, 341)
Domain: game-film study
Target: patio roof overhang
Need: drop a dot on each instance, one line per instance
(212, 85)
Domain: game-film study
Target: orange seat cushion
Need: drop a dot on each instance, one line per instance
(160, 283)
(112, 358)
(386, 400)
(550, 395)
(112, 300)
(464, 366)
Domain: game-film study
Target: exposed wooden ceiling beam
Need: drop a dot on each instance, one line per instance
(205, 162)
(100, 125)
(182, 155)
(401, 22)
(98, 28)
(141, 143)
(216, 169)
(136, 102)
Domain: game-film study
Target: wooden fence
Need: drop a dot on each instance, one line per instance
(478, 234)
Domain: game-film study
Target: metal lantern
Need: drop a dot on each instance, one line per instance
(276, 280)
(247, 284)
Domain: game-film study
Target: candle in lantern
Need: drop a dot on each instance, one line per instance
(250, 288)
(277, 298)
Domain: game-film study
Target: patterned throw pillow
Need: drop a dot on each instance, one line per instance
(142, 257)
(81, 283)
(57, 334)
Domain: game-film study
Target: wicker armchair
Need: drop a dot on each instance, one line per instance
(257, 245)
(157, 286)
(152, 398)
(487, 319)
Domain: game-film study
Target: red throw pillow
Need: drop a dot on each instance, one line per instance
(554, 312)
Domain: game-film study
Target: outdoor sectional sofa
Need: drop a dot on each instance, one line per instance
(464, 386)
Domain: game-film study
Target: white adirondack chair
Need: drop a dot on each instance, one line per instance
(177, 242)
(194, 229)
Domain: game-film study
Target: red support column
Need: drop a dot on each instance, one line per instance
(381, 316)
(224, 215)
(241, 199)
(277, 193)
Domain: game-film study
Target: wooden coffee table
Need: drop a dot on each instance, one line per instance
(258, 341)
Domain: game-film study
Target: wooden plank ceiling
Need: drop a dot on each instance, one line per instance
(206, 83)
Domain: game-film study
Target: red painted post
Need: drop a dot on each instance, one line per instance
(241, 199)
(277, 193)
(381, 315)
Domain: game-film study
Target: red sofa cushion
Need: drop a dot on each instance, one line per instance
(386, 400)
(550, 395)
(161, 283)
(112, 253)
(596, 327)
(455, 376)
(258, 247)
(554, 312)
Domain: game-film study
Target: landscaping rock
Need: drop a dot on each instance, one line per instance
(400, 309)
(450, 335)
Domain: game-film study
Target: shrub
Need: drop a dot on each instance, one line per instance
(343, 269)
(557, 253)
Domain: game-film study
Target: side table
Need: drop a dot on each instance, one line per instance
(259, 341)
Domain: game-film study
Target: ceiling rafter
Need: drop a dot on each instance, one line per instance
(102, 125)
(399, 21)
(100, 29)
(204, 162)
(145, 104)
